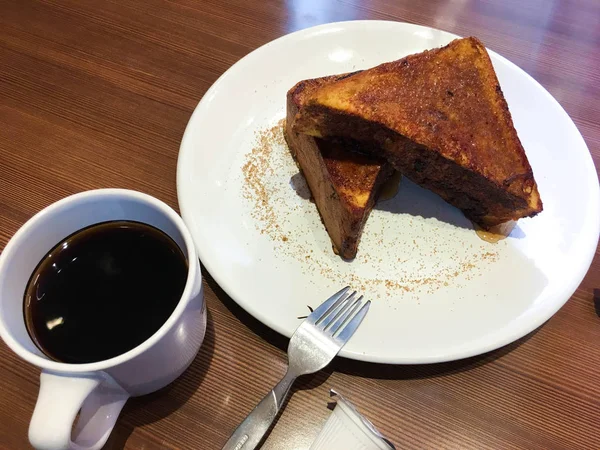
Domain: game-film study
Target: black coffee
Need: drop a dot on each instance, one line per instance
(103, 290)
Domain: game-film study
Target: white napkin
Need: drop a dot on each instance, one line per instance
(346, 429)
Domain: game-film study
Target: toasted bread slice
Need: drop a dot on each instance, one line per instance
(344, 183)
(441, 119)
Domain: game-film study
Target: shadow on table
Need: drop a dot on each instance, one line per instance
(272, 337)
(352, 367)
(415, 371)
(149, 408)
(306, 382)
(360, 368)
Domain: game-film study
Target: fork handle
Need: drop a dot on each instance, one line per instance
(250, 432)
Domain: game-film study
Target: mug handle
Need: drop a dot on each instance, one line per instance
(98, 396)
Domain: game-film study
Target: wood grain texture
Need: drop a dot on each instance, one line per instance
(98, 93)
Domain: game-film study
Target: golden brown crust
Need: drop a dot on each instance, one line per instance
(448, 104)
(344, 182)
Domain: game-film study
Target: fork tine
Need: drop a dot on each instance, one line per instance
(344, 317)
(333, 315)
(351, 326)
(329, 304)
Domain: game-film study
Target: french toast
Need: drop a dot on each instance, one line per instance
(344, 181)
(440, 118)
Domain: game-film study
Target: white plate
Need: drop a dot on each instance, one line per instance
(439, 293)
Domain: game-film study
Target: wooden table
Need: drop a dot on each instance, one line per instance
(97, 94)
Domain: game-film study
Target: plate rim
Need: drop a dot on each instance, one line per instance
(472, 350)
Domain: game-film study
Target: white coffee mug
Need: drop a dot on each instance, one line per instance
(97, 390)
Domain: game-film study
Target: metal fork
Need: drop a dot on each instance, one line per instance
(313, 345)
